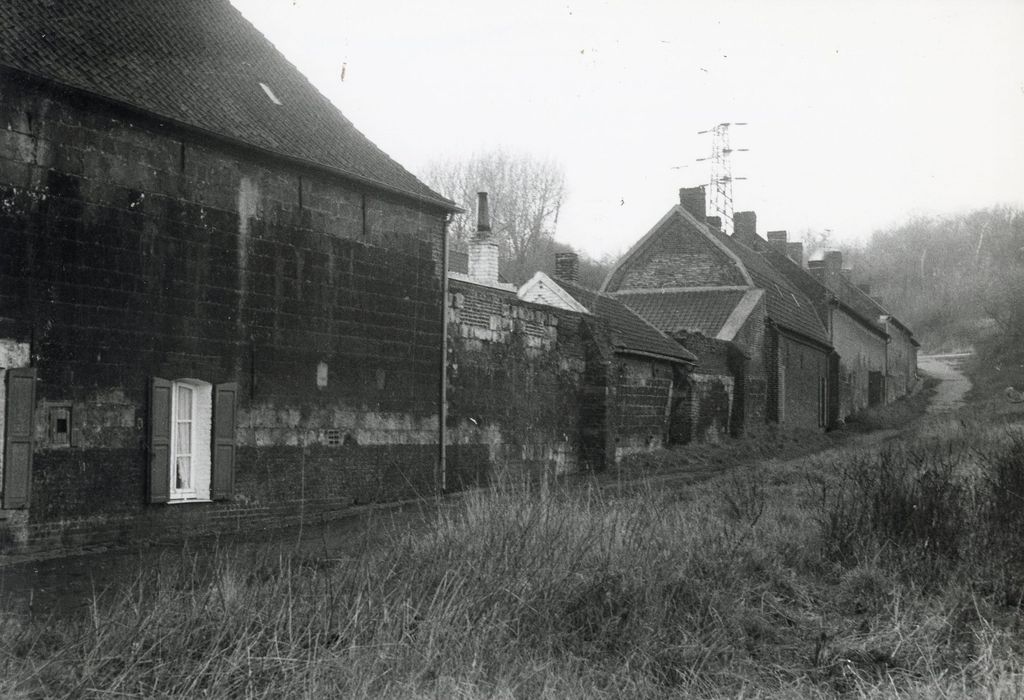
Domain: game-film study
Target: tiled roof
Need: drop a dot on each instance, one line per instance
(629, 332)
(198, 63)
(702, 311)
(789, 307)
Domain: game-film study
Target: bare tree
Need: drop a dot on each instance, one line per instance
(526, 196)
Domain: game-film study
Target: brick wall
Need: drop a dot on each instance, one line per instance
(803, 377)
(716, 401)
(642, 400)
(517, 381)
(132, 250)
(678, 256)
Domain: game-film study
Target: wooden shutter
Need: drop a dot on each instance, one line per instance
(222, 478)
(160, 440)
(20, 429)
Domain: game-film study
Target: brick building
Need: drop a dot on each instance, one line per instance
(639, 379)
(896, 375)
(220, 304)
(550, 378)
(859, 338)
(685, 276)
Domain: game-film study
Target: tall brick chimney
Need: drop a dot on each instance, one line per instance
(778, 240)
(483, 249)
(714, 223)
(829, 269)
(744, 225)
(693, 201)
(795, 251)
(833, 260)
(567, 266)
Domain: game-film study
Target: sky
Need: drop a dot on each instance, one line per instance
(859, 114)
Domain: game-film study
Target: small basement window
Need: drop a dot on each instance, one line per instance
(270, 94)
(59, 426)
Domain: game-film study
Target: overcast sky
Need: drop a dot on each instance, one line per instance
(859, 113)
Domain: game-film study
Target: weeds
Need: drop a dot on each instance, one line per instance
(865, 573)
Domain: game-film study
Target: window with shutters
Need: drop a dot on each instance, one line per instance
(192, 443)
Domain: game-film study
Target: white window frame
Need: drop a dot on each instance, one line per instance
(201, 434)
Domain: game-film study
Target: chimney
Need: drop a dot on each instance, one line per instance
(833, 260)
(744, 225)
(483, 249)
(778, 240)
(795, 251)
(692, 200)
(714, 223)
(567, 266)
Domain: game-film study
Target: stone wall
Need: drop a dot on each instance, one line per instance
(517, 388)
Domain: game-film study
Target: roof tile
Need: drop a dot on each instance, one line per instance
(199, 64)
(628, 330)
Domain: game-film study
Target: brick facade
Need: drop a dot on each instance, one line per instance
(133, 250)
(677, 256)
(517, 375)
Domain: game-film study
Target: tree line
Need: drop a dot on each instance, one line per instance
(954, 279)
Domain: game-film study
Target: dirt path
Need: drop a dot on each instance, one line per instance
(950, 393)
(62, 585)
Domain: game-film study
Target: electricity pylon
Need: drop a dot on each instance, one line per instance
(720, 182)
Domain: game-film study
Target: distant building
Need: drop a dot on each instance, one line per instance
(898, 373)
(858, 337)
(687, 277)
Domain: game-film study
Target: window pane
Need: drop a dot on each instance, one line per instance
(184, 402)
(183, 473)
(184, 444)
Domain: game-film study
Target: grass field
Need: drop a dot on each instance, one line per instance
(892, 570)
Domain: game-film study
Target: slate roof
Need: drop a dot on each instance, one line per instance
(788, 306)
(629, 332)
(197, 63)
(704, 311)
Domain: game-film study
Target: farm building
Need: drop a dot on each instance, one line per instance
(550, 378)
(687, 277)
(859, 338)
(899, 374)
(220, 304)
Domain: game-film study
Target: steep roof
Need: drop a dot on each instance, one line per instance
(788, 306)
(814, 288)
(704, 311)
(629, 332)
(201, 64)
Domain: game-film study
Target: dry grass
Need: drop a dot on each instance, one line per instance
(860, 572)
